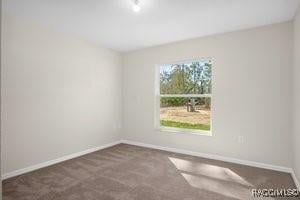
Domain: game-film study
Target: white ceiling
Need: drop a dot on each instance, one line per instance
(113, 24)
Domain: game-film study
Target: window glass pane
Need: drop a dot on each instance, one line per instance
(186, 113)
(186, 78)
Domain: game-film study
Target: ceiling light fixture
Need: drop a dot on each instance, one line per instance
(136, 6)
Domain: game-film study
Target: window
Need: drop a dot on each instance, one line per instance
(185, 96)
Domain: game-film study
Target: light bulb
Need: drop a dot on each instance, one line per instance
(136, 7)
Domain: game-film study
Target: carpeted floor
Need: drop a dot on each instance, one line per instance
(127, 172)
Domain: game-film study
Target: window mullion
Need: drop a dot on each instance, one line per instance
(185, 95)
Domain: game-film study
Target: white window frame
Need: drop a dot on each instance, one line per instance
(157, 125)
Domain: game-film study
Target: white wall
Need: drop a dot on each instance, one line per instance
(0, 91)
(296, 96)
(60, 94)
(251, 94)
(59, 88)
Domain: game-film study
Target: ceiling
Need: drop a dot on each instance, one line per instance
(113, 23)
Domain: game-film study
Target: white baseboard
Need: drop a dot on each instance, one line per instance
(221, 158)
(297, 183)
(212, 156)
(175, 150)
(55, 161)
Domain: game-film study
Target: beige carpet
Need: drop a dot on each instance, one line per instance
(129, 172)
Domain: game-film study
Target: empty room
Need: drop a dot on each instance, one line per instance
(150, 99)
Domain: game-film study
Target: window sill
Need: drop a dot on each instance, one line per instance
(184, 131)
